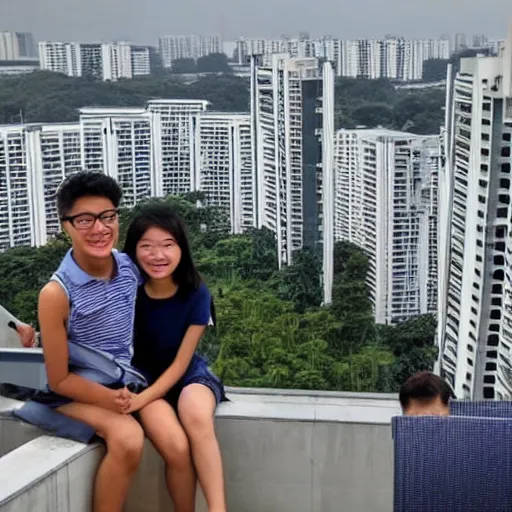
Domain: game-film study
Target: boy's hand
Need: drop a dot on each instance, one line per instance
(119, 400)
(27, 335)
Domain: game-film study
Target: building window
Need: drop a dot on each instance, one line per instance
(495, 314)
(493, 340)
(489, 393)
(499, 260)
(502, 213)
(498, 275)
(504, 183)
(505, 151)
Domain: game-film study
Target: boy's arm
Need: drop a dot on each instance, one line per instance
(53, 310)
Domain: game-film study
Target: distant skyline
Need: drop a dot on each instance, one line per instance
(144, 22)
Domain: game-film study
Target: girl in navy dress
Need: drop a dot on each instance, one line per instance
(173, 310)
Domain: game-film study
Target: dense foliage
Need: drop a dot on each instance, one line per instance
(213, 63)
(371, 103)
(50, 97)
(271, 328)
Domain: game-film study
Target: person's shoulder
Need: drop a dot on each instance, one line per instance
(53, 293)
(202, 291)
(125, 261)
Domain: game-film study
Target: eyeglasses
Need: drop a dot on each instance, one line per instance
(85, 221)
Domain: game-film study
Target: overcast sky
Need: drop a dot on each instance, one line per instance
(143, 21)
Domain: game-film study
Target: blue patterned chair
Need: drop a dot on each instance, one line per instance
(453, 464)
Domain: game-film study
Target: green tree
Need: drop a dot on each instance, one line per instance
(214, 63)
(184, 66)
(413, 345)
(300, 282)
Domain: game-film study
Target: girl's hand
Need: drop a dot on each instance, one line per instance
(138, 402)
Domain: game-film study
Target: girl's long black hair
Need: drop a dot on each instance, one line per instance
(161, 215)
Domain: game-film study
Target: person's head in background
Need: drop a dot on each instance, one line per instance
(87, 204)
(425, 394)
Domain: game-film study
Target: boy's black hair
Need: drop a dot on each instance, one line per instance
(161, 215)
(424, 386)
(86, 184)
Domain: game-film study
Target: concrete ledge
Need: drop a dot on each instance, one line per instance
(44, 473)
(316, 406)
(282, 451)
(13, 434)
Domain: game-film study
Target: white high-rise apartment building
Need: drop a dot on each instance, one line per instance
(396, 59)
(324, 48)
(174, 135)
(120, 143)
(16, 211)
(187, 47)
(17, 46)
(34, 159)
(475, 300)
(101, 61)
(60, 57)
(141, 60)
(393, 58)
(292, 108)
(223, 168)
(386, 203)
(53, 153)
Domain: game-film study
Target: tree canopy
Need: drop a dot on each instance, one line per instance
(50, 97)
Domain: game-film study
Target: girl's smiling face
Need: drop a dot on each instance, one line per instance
(158, 253)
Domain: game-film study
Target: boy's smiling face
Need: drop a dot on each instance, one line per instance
(92, 236)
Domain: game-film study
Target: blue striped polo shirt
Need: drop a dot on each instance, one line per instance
(101, 310)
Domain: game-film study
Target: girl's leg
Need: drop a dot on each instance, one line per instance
(125, 439)
(196, 408)
(168, 437)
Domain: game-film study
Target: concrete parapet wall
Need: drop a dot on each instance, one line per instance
(282, 452)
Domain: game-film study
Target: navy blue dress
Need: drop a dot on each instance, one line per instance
(160, 326)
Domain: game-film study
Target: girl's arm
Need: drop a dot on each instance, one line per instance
(174, 373)
(53, 311)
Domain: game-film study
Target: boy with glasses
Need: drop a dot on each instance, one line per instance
(86, 311)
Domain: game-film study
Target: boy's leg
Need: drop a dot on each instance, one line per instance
(168, 437)
(125, 439)
(196, 408)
